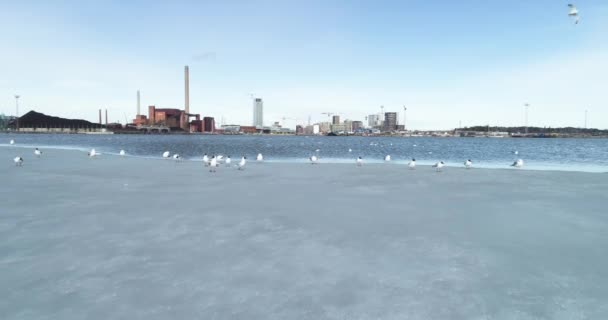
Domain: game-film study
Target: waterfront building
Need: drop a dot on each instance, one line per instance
(390, 121)
(335, 119)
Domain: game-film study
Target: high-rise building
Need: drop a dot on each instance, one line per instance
(373, 120)
(258, 113)
(335, 120)
(325, 127)
(357, 125)
(390, 121)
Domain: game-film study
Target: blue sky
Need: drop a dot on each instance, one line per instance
(476, 62)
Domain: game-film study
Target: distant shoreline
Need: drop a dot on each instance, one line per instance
(300, 135)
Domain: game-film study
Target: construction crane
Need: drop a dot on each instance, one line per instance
(329, 114)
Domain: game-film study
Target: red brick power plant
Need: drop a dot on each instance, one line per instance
(175, 118)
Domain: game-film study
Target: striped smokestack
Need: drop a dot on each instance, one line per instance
(187, 89)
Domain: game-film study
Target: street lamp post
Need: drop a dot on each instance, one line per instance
(585, 118)
(17, 111)
(404, 118)
(527, 107)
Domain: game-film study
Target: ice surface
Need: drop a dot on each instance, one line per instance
(127, 238)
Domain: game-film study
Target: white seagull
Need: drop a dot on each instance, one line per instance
(166, 154)
(220, 158)
(573, 12)
(242, 163)
(438, 166)
(206, 160)
(515, 152)
(37, 152)
(468, 164)
(12, 141)
(412, 164)
(18, 161)
(350, 150)
(387, 157)
(359, 161)
(213, 164)
(313, 159)
(260, 157)
(228, 161)
(176, 157)
(92, 153)
(122, 153)
(518, 163)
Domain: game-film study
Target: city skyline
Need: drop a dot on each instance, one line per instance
(448, 62)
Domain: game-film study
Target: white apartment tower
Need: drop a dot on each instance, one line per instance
(258, 113)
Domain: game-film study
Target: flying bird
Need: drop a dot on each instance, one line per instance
(518, 163)
(573, 13)
(468, 164)
(350, 150)
(412, 164)
(37, 152)
(18, 161)
(438, 166)
(166, 154)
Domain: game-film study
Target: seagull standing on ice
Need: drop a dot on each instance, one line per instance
(438, 166)
(18, 161)
(313, 159)
(166, 154)
(242, 163)
(468, 164)
(518, 163)
(176, 157)
(260, 157)
(412, 164)
(37, 152)
(122, 153)
(359, 161)
(206, 160)
(228, 161)
(213, 164)
(12, 142)
(573, 12)
(92, 153)
(387, 158)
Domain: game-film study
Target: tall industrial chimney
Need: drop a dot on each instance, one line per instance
(187, 85)
(99, 116)
(106, 117)
(138, 111)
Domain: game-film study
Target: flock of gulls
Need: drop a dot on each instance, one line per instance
(214, 161)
